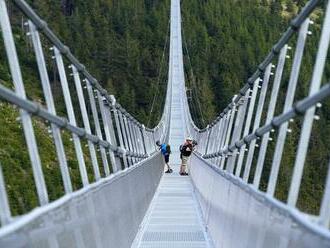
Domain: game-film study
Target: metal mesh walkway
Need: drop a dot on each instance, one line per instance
(236, 170)
(173, 219)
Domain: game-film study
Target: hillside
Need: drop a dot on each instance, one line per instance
(122, 44)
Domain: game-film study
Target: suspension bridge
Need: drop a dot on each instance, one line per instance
(131, 203)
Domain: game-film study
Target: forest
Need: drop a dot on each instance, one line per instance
(124, 44)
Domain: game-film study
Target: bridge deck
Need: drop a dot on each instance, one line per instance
(174, 218)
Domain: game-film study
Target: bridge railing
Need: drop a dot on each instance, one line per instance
(104, 135)
(273, 114)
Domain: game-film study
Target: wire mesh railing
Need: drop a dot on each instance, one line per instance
(268, 123)
(82, 121)
(266, 135)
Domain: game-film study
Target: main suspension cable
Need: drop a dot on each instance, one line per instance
(193, 77)
(159, 74)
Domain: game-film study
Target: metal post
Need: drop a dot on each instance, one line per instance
(97, 125)
(224, 128)
(51, 107)
(217, 137)
(125, 136)
(108, 109)
(5, 214)
(149, 139)
(144, 139)
(209, 130)
(237, 132)
(324, 218)
(84, 115)
(287, 105)
(131, 125)
(129, 122)
(247, 126)
(107, 125)
(130, 135)
(25, 116)
(214, 137)
(212, 134)
(201, 143)
(139, 139)
(211, 139)
(130, 132)
(309, 115)
(257, 118)
(151, 145)
(124, 130)
(228, 135)
(205, 138)
(226, 119)
(221, 132)
(154, 140)
(118, 128)
(72, 118)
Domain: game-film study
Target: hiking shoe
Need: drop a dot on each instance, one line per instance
(168, 171)
(185, 174)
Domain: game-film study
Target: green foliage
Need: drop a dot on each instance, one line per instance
(122, 43)
(226, 41)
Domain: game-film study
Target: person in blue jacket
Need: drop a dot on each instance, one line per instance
(166, 151)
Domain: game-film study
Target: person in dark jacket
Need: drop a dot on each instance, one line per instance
(186, 149)
(166, 151)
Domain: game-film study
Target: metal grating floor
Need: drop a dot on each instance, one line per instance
(173, 219)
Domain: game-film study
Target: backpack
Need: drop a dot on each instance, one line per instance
(184, 151)
(163, 148)
(168, 149)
